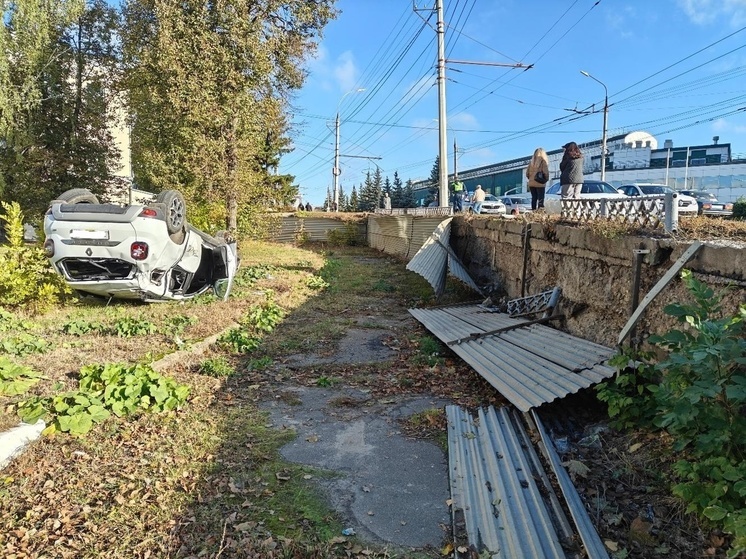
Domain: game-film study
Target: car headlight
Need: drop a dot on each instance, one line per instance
(729, 206)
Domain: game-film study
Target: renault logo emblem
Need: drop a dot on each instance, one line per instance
(88, 251)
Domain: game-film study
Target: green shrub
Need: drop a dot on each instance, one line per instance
(239, 341)
(347, 235)
(16, 379)
(701, 401)
(23, 344)
(116, 388)
(216, 367)
(629, 395)
(265, 317)
(26, 278)
(739, 208)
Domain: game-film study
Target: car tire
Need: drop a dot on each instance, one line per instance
(175, 210)
(78, 196)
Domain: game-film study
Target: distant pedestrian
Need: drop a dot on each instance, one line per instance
(458, 196)
(537, 174)
(386, 201)
(477, 198)
(309, 208)
(571, 167)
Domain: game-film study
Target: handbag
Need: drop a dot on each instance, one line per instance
(541, 178)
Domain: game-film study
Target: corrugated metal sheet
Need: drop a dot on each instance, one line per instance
(594, 548)
(436, 258)
(292, 229)
(494, 489)
(530, 365)
(391, 234)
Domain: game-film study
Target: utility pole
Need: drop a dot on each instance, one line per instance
(455, 167)
(336, 171)
(606, 113)
(442, 124)
(443, 199)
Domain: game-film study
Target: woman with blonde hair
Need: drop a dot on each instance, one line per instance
(537, 174)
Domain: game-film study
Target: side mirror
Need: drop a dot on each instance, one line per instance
(222, 288)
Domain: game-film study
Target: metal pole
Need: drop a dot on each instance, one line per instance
(603, 139)
(444, 202)
(606, 112)
(455, 167)
(335, 170)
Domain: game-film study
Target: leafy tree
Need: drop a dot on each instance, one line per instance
(65, 140)
(206, 81)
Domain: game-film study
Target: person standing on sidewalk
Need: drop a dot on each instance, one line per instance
(571, 167)
(477, 198)
(537, 174)
(458, 193)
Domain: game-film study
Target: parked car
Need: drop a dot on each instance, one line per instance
(708, 204)
(146, 252)
(516, 204)
(591, 189)
(491, 205)
(687, 204)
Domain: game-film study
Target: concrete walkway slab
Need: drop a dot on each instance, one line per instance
(390, 488)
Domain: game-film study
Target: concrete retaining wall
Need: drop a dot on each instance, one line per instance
(594, 272)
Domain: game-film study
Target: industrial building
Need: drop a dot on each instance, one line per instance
(631, 157)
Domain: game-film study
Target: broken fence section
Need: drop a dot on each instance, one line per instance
(502, 499)
(530, 365)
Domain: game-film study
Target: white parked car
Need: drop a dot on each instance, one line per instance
(146, 252)
(591, 190)
(491, 205)
(687, 205)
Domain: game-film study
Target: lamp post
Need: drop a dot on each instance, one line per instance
(336, 171)
(606, 112)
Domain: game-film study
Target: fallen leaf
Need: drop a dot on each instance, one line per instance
(611, 545)
(635, 447)
(282, 476)
(577, 467)
(447, 550)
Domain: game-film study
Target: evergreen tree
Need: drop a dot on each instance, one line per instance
(343, 202)
(434, 181)
(397, 194)
(354, 201)
(408, 199)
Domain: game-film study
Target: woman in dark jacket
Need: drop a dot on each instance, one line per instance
(571, 167)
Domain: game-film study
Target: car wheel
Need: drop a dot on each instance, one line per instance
(78, 196)
(175, 209)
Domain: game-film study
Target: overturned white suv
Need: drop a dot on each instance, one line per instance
(147, 252)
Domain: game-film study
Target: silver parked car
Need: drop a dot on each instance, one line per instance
(590, 190)
(491, 205)
(146, 252)
(516, 204)
(687, 205)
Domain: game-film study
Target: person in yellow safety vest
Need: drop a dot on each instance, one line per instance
(458, 194)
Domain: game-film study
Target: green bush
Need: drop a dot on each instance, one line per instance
(348, 235)
(701, 401)
(26, 278)
(739, 208)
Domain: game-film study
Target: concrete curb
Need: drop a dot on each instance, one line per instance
(13, 441)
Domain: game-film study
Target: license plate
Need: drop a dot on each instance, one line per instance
(94, 234)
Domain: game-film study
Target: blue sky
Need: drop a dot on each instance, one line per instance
(674, 68)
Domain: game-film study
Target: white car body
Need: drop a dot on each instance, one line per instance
(127, 252)
(591, 190)
(687, 205)
(491, 205)
(516, 204)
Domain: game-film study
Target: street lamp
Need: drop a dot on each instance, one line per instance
(336, 171)
(606, 112)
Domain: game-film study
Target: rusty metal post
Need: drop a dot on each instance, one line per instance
(526, 239)
(638, 256)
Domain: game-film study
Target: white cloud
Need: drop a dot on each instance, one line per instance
(622, 20)
(722, 126)
(466, 121)
(345, 71)
(703, 12)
